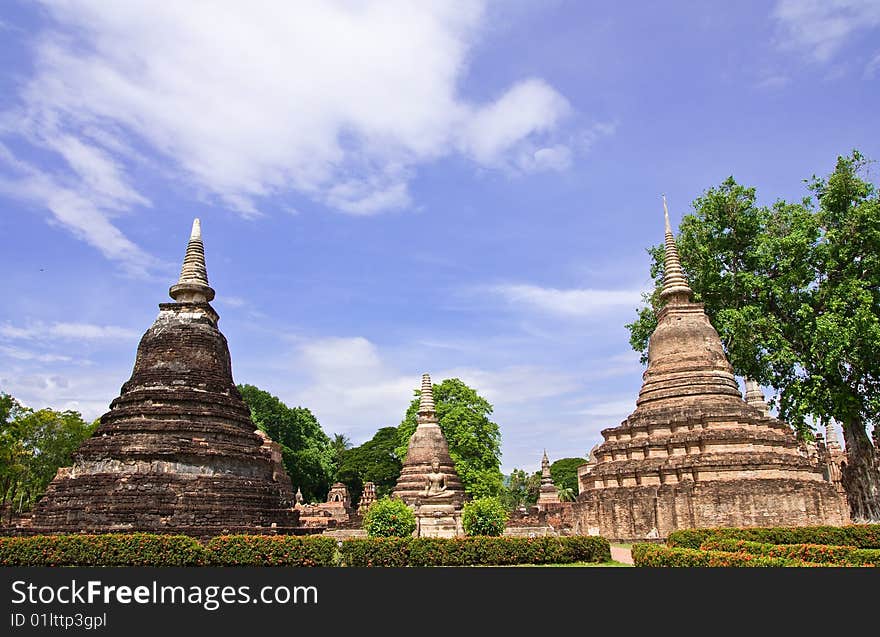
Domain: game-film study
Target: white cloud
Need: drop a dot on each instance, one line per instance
(820, 28)
(529, 107)
(21, 354)
(553, 158)
(351, 389)
(85, 208)
(614, 410)
(873, 66)
(569, 303)
(231, 301)
(90, 394)
(69, 331)
(338, 101)
(773, 82)
(515, 385)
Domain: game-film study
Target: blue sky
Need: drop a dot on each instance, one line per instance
(391, 188)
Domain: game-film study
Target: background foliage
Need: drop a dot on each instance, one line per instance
(305, 448)
(33, 445)
(474, 440)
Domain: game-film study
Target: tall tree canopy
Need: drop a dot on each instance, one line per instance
(339, 445)
(474, 440)
(520, 489)
(305, 448)
(374, 461)
(33, 445)
(794, 292)
(564, 472)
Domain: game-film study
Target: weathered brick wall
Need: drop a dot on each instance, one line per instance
(645, 512)
(556, 515)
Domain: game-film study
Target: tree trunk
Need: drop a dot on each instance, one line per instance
(860, 475)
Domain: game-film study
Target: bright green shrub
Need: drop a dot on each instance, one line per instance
(866, 536)
(484, 516)
(111, 549)
(389, 517)
(270, 550)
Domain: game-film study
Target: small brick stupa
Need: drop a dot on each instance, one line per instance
(694, 453)
(428, 481)
(547, 493)
(177, 452)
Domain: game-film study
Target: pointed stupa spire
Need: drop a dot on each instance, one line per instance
(427, 454)
(755, 397)
(546, 478)
(675, 285)
(426, 401)
(192, 286)
(547, 492)
(831, 440)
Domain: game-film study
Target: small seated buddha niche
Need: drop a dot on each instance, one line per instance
(435, 483)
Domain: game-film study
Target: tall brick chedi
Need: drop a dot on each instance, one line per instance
(428, 481)
(177, 451)
(694, 453)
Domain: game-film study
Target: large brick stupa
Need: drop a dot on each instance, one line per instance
(428, 481)
(177, 452)
(694, 453)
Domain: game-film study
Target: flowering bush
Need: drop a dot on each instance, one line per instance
(111, 549)
(484, 516)
(389, 517)
(866, 536)
(474, 551)
(817, 553)
(654, 555)
(270, 550)
(143, 549)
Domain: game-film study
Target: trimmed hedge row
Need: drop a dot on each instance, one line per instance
(113, 549)
(817, 553)
(657, 555)
(142, 549)
(477, 551)
(865, 536)
(270, 550)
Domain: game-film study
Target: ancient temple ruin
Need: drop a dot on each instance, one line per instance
(177, 452)
(428, 481)
(831, 457)
(547, 493)
(368, 496)
(694, 453)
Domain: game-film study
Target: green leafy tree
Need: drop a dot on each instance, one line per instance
(305, 448)
(374, 461)
(564, 472)
(565, 494)
(339, 444)
(794, 292)
(520, 489)
(484, 516)
(389, 517)
(474, 440)
(34, 444)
